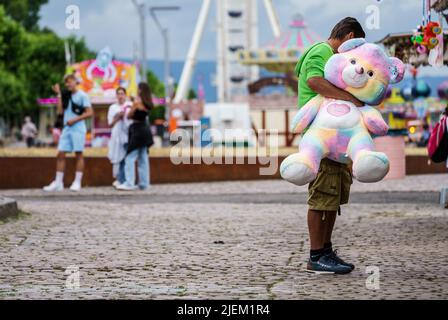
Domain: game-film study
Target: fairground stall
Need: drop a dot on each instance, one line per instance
(99, 78)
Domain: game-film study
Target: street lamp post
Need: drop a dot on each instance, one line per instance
(165, 35)
(141, 10)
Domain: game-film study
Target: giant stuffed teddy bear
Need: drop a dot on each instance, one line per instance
(338, 130)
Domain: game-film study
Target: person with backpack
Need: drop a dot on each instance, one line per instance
(438, 141)
(76, 108)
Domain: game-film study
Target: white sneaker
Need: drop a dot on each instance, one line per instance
(124, 187)
(54, 187)
(116, 184)
(76, 187)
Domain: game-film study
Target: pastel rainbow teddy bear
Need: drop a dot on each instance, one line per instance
(337, 129)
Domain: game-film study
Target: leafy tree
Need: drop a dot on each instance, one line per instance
(30, 63)
(13, 43)
(157, 86)
(25, 12)
(192, 94)
(46, 61)
(13, 96)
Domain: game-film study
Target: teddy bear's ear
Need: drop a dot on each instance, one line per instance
(351, 44)
(397, 70)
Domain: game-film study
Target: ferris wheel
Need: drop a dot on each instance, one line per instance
(237, 29)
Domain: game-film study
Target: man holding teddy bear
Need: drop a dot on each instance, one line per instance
(324, 206)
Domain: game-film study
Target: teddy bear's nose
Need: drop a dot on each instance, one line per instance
(359, 70)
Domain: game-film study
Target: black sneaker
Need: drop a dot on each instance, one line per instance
(327, 265)
(334, 255)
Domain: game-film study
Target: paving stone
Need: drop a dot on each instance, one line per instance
(198, 250)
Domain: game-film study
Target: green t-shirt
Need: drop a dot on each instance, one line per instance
(312, 64)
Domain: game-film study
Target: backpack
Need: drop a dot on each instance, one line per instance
(438, 142)
(67, 99)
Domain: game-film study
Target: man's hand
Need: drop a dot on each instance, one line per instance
(57, 89)
(71, 122)
(326, 89)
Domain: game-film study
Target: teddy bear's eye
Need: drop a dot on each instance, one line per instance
(353, 61)
(370, 74)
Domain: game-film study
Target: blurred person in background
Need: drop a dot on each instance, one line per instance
(76, 108)
(424, 139)
(140, 140)
(56, 131)
(29, 132)
(119, 136)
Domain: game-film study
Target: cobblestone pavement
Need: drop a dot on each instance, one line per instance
(231, 248)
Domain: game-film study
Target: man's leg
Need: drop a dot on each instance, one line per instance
(324, 198)
(60, 162)
(58, 182)
(316, 228)
(77, 184)
(329, 221)
(79, 162)
(320, 226)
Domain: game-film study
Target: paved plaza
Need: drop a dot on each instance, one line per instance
(229, 240)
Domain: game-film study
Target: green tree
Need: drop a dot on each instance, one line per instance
(13, 44)
(192, 94)
(25, 12)
(13, 96)
(46, 61)
(157, 86)
(30, 63)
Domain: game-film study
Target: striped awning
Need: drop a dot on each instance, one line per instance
(282, 54)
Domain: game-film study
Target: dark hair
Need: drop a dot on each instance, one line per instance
(145, 95)
(345, 26)
(70, 76)
(121, 89)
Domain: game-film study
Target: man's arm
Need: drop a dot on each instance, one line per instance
(326, 89)
(88, 113)
(57, 89)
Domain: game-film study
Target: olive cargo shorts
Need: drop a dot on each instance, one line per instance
(331, 189)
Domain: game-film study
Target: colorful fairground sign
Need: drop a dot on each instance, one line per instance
(100, 77)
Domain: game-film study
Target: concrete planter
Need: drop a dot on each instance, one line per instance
(8, 208)
(394, 148)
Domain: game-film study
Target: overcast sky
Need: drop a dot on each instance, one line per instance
(114, 23)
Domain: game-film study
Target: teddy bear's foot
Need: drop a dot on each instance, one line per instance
(295, 171)
(371, 167)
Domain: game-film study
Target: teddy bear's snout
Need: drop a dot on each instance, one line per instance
(355, 76)
(359, 70)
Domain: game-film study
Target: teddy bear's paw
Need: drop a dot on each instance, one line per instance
(371, 167)
(296, 172)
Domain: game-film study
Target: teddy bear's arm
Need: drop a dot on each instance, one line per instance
(306, 115)
(374, 121)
